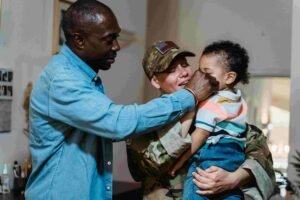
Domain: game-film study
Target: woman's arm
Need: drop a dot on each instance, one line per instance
(216, 180)
(199, 137)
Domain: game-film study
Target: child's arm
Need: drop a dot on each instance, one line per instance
(199, 137)
(186, 122)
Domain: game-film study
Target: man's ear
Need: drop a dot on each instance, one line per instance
(155, 82)
(230, 77)
(78, 40)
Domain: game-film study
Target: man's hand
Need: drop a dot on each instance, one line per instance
(202, 85)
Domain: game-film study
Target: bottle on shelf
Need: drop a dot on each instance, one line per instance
(5, 180)
(0, 185)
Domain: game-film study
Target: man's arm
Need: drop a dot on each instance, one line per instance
(215, 180)
(99, 115)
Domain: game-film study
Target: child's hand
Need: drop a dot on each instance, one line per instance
(174, 170)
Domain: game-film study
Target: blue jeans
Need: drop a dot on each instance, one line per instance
(227, 154)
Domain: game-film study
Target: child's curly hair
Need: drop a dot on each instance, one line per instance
(234, 57)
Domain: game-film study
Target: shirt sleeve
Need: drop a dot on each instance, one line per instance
(80, 105)
(259, 161)
(264, 186)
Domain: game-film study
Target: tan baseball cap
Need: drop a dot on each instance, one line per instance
(159, 56)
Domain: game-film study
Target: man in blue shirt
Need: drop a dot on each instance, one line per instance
(73, 123)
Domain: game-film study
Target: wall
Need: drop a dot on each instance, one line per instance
(25, 47)
(266, 35)
(295, 88)
(162, 24)
(263, 27)
(26, 30)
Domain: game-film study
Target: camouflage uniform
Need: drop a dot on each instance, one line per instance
(149, 163)
(151, 156)
(260, 162)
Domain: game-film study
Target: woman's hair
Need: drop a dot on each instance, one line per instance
(234, 57)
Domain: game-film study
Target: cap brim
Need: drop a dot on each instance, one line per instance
(185, 53)
(167, 60)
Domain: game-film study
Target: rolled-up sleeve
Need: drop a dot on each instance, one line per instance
(171, 139)
(264, 184)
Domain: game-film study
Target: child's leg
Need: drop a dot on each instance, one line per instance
(225, 154)
(189, 190)
(228, 156)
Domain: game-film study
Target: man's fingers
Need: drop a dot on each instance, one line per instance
(200, 85)
(204, 192)
(201, 185)
(213, 81)
(211, 169)
(201, 181)
(201, 173)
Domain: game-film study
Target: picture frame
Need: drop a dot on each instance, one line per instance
(6, 80)
(60, 6)
(6, 97)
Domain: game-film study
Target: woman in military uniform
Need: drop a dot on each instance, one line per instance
(151, 156)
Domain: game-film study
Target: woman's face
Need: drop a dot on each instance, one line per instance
(175, 77)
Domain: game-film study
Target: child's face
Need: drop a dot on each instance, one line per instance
(212, 64)
(175, 77)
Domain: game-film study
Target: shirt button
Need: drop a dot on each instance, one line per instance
(109, 163)
(108, 188)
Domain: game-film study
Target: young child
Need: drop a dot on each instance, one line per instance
(221, 119)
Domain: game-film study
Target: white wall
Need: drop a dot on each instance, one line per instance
(262, 26)
(26, 30)
(295, 90)
(25, 47)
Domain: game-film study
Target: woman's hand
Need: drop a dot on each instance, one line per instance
(215, 180)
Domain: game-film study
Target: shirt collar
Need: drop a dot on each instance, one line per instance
(230, 95)
(86, 69)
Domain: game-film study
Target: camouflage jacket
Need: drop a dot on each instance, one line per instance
(153, 154)
(257, 149)
(148, 155)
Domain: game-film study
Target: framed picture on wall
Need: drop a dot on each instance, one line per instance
(6, 96)
(58, 38)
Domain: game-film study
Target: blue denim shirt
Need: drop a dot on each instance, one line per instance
(72, 127)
